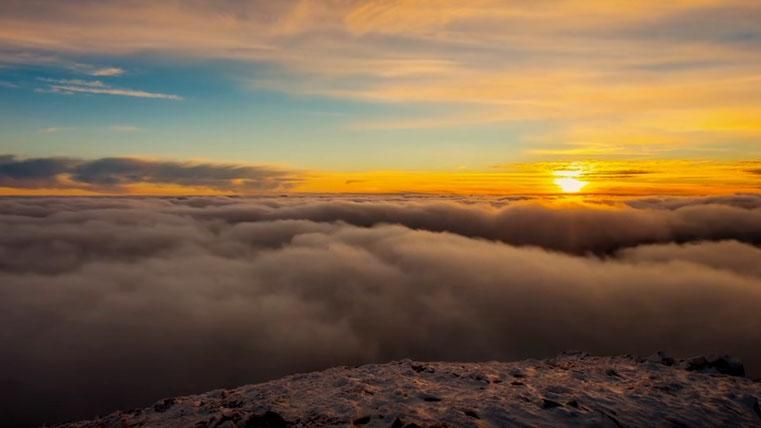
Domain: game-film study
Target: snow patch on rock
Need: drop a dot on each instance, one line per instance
(569, 390)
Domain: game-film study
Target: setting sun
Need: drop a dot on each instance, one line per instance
(568, 182)
(570, 185)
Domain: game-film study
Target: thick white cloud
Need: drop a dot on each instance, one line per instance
(113, 302)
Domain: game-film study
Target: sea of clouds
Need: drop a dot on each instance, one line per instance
(109, 303)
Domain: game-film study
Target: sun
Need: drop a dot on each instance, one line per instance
(568, 182)
(570, 185)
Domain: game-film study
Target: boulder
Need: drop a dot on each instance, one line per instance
(661, 357)
(723, 364)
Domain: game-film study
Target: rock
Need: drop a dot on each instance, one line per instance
(430, 398)
(723, 364)
(268, 419)
(677, 423)
(550, 404)
(164, 405)
(361, 421)
(661, 358)
(471, 413)
(670, 387)
(422, 368)
(727, 365)
(695, 363)
(574, 353)
(234, 404)
(752, 403)
(612, 418)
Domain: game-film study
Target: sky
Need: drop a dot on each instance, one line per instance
(440, 96)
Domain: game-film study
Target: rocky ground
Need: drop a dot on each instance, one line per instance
(570, 390)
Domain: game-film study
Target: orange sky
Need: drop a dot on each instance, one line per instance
(609, 178)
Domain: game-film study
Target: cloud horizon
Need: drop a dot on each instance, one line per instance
(124, 175)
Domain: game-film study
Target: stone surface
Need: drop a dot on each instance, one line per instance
(570, 390)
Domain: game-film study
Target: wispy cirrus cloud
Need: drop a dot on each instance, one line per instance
(108, 72)
(11, 56)
(77, 86)
(96, 71)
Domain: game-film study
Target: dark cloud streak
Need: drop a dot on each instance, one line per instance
(112, 174)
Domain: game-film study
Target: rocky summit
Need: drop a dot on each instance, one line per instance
(573, 389)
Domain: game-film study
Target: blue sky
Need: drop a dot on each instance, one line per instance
(219, 117)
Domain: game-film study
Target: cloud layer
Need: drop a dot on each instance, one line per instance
(113, 302)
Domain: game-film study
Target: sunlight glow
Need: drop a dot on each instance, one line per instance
(570, 185)
(568, 180)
